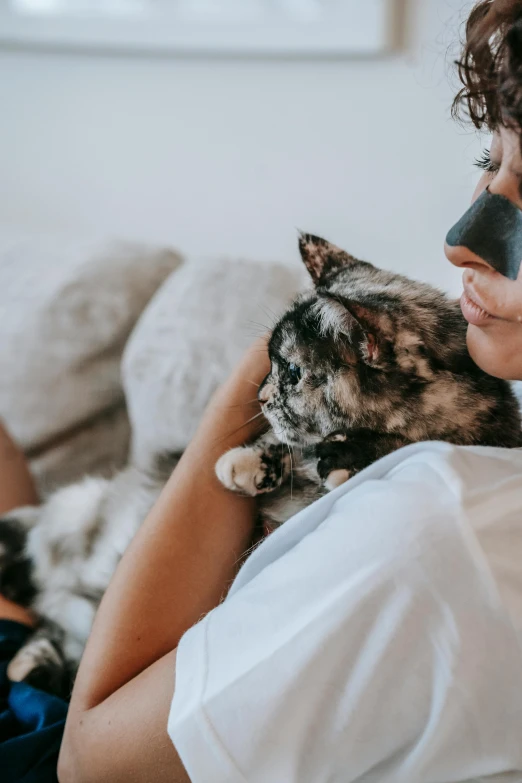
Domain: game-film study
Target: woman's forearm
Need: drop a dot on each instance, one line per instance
(16, 483)
(185, 555)
(176, 570)
(16, 489)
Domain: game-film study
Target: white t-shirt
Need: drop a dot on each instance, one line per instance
(375, 637)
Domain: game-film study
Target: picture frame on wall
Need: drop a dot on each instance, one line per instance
(259, 28)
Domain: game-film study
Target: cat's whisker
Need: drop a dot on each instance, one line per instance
(270, 314)
(256, 331)
(262, 326)
(248, 552)
(259, 327)
(253, 417)
(242, 404)
(290, 454)
(249, 421)
(291, 475)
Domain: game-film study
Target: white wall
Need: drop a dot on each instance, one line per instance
(224, 157)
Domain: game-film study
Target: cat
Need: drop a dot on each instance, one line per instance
(58, 558)
(364, 363)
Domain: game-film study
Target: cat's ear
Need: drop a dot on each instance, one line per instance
(321, 258)
(373, 340)
(364, 332)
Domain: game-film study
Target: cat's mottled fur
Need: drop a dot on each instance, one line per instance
(363, 364)
(57, 559)
(367, 362)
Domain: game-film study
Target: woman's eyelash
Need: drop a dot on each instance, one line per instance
(486, 164)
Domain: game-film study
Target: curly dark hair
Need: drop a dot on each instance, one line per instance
(490, 67)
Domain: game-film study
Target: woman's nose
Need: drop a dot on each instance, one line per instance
(475, 240)
(464, 258)
(488, 236)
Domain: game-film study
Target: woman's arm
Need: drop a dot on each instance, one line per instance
(177, 569)
(16, 484)
(11, 611)
(16, 489)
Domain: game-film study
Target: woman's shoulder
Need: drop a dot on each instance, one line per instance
(400, 589)
(463, 469)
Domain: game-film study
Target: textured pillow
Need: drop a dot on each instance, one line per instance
(188, 339)
(66, 310)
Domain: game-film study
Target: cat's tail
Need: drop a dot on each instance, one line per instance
(16, 580)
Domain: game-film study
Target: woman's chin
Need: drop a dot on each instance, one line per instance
(497, 349)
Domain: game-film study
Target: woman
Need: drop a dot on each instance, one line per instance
(374, 637)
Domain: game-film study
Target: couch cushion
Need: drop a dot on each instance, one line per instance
(188, 339)
(66, 310)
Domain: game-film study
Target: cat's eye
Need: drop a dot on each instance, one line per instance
(294, 373)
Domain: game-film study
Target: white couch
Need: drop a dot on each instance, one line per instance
(67, 311)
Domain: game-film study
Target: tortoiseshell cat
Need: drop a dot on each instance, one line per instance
(367, 362)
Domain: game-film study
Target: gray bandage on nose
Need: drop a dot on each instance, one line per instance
(492, 229)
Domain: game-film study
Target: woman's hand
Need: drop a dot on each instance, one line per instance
(255, 364)
(233, 416)
(11, 611)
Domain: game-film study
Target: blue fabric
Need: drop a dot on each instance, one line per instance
(31, 721)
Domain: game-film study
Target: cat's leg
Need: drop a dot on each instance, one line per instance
(343, 454)
(16, 581)
(255, 469)
(42, 663)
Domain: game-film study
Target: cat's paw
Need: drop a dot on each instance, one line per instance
(336, 463)
(241, 470)
(343, 454)
(250, 471)
(32, 655)
(336, 478)
(38, 663)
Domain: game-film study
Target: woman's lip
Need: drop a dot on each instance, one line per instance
(473, 313)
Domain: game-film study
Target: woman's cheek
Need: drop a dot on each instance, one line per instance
(497, 349)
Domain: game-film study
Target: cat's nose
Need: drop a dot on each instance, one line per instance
(266, 392)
